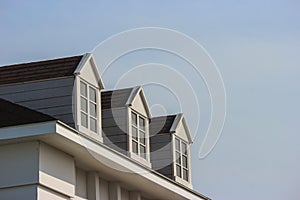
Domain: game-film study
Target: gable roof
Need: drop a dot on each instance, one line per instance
(40, 70)
(89, 58)
(123, 97)
(168, 124)
(12, 114)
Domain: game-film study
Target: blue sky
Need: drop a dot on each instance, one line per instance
(255, 44)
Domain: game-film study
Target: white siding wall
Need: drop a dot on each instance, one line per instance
(44, 194)
(139, 106)
(57, 170)
(104, 190)
(19, 164)
(88, 74)
(80, 189)
(181, 133)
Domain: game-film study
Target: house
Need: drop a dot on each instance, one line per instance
(63, 137)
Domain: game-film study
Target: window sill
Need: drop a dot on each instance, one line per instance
(183, 182)
(139, 159)
(90, 133)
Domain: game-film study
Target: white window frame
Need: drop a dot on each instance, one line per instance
(139, 132)
(94, 134)
(179, 178)
(136, 156)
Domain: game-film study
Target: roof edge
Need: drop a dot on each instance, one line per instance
(139, 90)
(179, 117)
(86, 58)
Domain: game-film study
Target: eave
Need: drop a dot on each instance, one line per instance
(95, 156)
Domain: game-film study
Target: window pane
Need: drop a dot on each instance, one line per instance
(134, 147)
(142, 137)
(93, 95)
(83, 89)
(134, 133)
(178, 170)
(142, 123)
(83, 104)
(143, 151)
(134, 119)
(93, 125)
(184, 148)
(177, 144)
(93, 110)
(178, 158)
(84, 120)
(184, 161)
(185, 174)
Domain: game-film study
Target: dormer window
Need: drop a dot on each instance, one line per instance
(86, 99)
(138, 139)
(181, 153)
(88, 107)
(170, 136)
(125, 117)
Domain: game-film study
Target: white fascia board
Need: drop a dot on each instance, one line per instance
(187, 130)
(26, 130)
(134, 93)
(180, 118)
(98, 150)
(76, 142)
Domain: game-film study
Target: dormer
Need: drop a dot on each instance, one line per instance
(170, 141)
(87, 86)
(67, 89)
(125, 122)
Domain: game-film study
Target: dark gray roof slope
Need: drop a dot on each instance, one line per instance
(12, 114)
(39, 70)
(161, 124)
(115, 98)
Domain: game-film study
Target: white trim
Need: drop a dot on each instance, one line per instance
(34, 129)
(138, 90)
(56, 184)
(73, 143)
(86, 58)
(180, 118)
(131, 154)
(81, 128)
(82, 62)
(179, 179)
(133, 94)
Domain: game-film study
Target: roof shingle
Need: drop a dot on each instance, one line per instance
(39, 70)
(115, 98)
(12, 114)
(161, 124)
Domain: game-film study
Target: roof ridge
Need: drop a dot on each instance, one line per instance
(168, 115)
(43, 60)
(39, 70)
(119, 89)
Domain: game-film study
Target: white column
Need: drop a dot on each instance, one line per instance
(93, 187)
(114, 191)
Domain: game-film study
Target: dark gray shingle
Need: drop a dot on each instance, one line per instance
(35, 71)
(12, 114)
